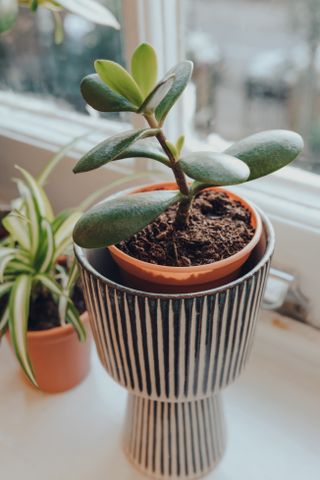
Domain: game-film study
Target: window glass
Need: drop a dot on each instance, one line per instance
(257, 66)
(32, 63)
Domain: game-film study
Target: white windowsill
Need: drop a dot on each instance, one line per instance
(272, 416)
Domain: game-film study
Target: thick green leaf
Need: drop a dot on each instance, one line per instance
(18, 322)
(266, 152)
(182, 73)
(180, 143)
(119, 80)
(144, 67)
(215, 168)
(110, 149)
(91, 10)
(119, 218)
(157, 95)
(147, 148)
(31, 209)
(102, 98)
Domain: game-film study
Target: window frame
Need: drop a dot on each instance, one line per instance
(35, 129)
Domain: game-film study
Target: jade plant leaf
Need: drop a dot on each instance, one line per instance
(144, 67)
(119, 218)
(268, 151)
(111, 149)
(182, 73)
(102, 98)
(215, 168)
(119, 80)
(145, 148)
(157, 95)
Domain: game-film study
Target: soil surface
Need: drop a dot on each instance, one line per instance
(44, 312)
(218, 227)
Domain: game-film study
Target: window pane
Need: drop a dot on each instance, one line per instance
(31, 62)
(257, 65)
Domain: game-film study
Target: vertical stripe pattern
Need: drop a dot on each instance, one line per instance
(174, 348)
(174, 439)
(173, 353)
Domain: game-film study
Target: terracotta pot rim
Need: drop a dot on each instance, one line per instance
(208, 266)
(82, 258)
(55, 333)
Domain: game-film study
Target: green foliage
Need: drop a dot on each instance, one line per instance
(268, 151)
(28, 261)
(120, 218)
(156, 96)
(89, 9)
(119, 80)
(110, 149)
(144, 67)
(28, 257)
(182, 73)
(212, 168)
(102, 98)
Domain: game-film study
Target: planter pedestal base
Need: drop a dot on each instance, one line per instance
(174, 353)
(174, 439)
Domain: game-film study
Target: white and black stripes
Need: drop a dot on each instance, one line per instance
(174, 348)
(174, 439)
(173, 353)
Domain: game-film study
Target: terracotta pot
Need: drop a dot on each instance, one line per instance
(161, 278)
(174, 353)
(60, 361)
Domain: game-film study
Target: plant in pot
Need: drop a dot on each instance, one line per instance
(41, 303)
(178, 325)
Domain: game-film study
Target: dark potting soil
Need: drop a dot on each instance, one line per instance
(44, 313)
(218, 227)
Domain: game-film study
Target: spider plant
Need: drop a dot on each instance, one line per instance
(29, 258)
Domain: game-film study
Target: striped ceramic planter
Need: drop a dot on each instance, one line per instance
(173, 353)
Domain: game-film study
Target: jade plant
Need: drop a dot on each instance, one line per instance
(114, 89)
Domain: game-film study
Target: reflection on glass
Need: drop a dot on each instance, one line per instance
(257, 66)
(31, 62)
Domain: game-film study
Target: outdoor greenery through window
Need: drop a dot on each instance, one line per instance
(32, 63)
(257, 65)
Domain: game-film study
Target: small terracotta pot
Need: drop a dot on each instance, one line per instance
(60, 361)
(161, 278)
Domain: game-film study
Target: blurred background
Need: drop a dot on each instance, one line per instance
(257, 64)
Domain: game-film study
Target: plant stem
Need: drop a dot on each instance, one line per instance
(177, 170)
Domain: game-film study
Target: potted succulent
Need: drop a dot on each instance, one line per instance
(177, 325)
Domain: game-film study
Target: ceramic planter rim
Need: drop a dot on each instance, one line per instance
(83, 260)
